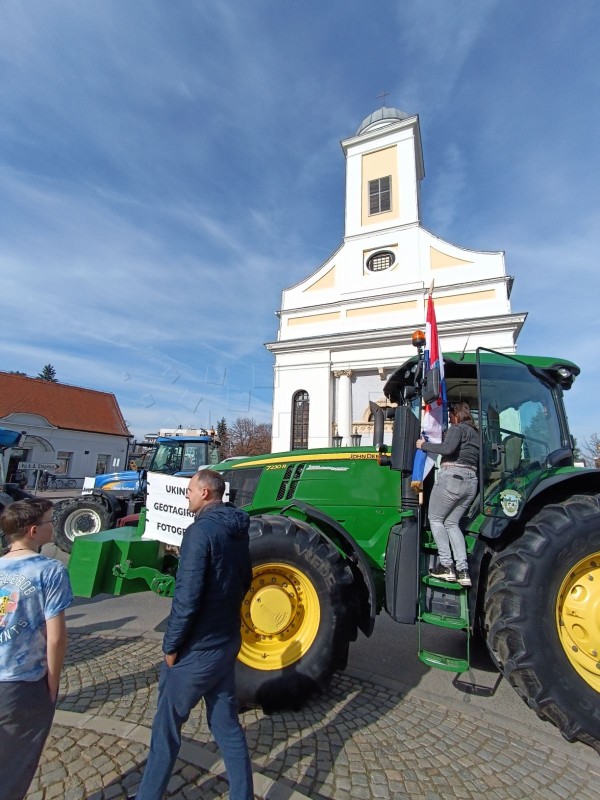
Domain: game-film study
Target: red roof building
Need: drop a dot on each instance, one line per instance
(81, 430)
(70, 407)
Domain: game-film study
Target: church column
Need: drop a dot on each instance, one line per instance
(344, 411)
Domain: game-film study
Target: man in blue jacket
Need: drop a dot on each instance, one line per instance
(203, 638)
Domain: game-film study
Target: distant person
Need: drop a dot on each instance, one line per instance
(34, 593)
(453, 492)
(203, 638)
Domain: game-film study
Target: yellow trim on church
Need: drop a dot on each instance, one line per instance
(471, 297)
(409, 305)
(380, 164)
(313, 318)
(327, 281)
(439, 260)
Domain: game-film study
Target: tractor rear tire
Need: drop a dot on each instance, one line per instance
(297, 618)
(79, 517)
(541, 615)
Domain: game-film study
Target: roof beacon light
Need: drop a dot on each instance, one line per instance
(418, 339)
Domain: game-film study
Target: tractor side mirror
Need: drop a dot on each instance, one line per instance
(431, 385)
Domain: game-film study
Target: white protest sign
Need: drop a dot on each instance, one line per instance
(167, 515)
(88, 485)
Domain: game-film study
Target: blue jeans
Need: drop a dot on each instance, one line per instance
(208, 674)
(452, 494)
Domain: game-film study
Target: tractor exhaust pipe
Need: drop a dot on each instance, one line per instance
(378, 422)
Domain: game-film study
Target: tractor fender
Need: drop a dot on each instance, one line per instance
(112, 503)
(553, 489)
(577, 482)
(333, 532)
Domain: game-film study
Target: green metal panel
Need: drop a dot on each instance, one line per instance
(94, 556)
(346, 483)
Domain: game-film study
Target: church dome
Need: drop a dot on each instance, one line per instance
(383, 116)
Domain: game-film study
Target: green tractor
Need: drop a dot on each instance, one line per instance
(338, 534)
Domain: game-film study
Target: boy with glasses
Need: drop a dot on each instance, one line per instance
(34, 593)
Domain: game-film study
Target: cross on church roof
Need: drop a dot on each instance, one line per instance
(384, 95)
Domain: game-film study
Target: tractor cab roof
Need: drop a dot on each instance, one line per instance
(176, 439)
(464, 366)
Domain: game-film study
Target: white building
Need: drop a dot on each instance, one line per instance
(344, 328)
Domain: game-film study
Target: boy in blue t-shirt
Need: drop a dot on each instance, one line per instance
(34, 593)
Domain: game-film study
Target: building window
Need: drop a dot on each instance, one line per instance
(63, 460)
(380, 261)
(380, 195)
(102, 464)
(300, 404)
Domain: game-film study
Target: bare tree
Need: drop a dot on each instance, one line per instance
(591, 450)
(249, 438)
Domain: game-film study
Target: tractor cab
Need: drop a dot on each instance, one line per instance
(518, 405)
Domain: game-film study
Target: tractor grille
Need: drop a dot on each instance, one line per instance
(284, 482)
(292, 490)
(290, 481)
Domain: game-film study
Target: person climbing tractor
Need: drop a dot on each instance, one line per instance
(453, 492)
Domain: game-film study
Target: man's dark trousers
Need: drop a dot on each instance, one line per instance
(199, 673)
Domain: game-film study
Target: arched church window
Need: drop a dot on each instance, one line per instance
(379, 261)
(300, 407)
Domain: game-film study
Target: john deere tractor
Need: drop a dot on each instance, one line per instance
(338, 535)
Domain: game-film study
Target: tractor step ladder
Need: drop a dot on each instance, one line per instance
(443, 604)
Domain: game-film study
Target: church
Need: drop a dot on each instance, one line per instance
(346, 327)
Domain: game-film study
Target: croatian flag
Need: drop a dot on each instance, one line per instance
(435, 413)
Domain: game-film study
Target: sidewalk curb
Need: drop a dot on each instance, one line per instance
(191, 752)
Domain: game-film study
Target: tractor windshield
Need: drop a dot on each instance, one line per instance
(179, 456)
(520, 432)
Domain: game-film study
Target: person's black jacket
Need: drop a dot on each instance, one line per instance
(460, 445)
(213, 576)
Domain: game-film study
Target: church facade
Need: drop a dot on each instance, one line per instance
(346, 327)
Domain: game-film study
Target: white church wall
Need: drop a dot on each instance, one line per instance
(346, 316)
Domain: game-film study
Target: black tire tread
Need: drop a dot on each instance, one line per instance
(65, 508)
(294, 685)
(510, 580)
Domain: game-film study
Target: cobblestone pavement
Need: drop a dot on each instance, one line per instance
(361, 740)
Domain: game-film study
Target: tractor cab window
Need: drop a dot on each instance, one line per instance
(242, 484)
(520, 430)
(167, 458)
(194, 456)
(214, 453)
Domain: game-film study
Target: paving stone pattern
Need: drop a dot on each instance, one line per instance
(361, 740)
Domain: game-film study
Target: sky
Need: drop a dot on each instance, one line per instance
(168, 168)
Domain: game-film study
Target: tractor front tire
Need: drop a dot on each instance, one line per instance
(297, 618)
(542, 613)
(79, 517)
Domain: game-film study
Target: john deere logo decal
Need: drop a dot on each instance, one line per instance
(510, 500)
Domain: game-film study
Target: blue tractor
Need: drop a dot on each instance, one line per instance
(118, 495)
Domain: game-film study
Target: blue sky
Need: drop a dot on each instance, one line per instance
(167, 168)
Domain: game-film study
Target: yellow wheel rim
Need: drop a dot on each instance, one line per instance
(280, 617)
(578, 619)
